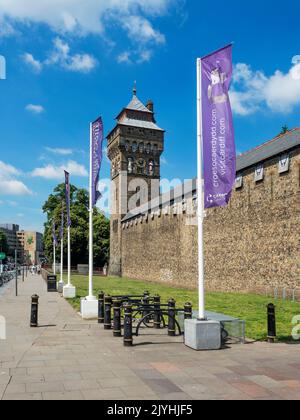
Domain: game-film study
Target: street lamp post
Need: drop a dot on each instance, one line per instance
(16, 270)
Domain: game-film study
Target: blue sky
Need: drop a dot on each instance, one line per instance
(69, 61)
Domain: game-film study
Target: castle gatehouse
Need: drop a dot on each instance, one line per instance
(251, 245)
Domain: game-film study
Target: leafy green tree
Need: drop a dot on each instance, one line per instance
(3, 243)
(101, 239)
(79, 204)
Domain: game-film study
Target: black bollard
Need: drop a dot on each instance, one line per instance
(271, 323)
(107, 312)
(23, 272)
(157, 317)
(117, 317)
(101, 308)
(34, 311)
(188, 311)
(128, 340)
(171, 315)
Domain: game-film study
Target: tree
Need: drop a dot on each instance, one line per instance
(3, 243)
(79, 204)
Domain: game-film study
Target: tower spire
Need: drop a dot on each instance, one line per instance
(134, 89)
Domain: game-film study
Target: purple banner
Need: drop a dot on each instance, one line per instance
(67, 191)
(61, 231)
(96, 145)
(219, 156)
(54, 234)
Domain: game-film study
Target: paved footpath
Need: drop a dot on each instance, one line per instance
(67, 358)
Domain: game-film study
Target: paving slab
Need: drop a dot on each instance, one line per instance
(67, 358)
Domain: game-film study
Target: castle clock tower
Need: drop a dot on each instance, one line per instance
(134, 149)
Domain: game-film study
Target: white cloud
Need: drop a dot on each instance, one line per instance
(9, 185)
(145, 56)
(60, 55)
(57, 172)
(59, 151)
(253, 91)
(124, 57)
(79, 18)
(6, 29)
(139, 28)
(32, 62)
(138, 57)
(35, 109)
(81, 63)
(8, 170)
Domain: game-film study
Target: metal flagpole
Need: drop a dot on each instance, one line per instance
(61, 259)
(69, 256)
(54, 257)
(69, 291)
(16, 271)
(200, 195)
(91, 262)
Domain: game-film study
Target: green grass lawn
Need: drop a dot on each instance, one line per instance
(251, 308)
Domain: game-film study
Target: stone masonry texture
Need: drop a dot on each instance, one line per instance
(251, 245)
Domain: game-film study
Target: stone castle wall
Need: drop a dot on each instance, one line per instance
(252, 244)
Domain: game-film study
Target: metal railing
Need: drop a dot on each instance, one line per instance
(283, 293)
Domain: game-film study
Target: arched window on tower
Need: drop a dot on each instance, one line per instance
(134, 147)
(148, 148)
(141, 147)
(130, 165)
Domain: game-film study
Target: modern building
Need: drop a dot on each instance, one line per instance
(31, 245)
(10, 230)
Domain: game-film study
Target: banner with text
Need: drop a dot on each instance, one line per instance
(67, 191)
(219, 156)
(97, 141)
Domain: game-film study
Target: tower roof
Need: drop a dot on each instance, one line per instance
(136, 114)
(136, 105)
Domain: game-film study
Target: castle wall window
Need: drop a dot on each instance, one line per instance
(284, 164)
(151, 167)
(130, 165)
(148, 148)
(259, 173)
(134, 147)
(239, 182)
